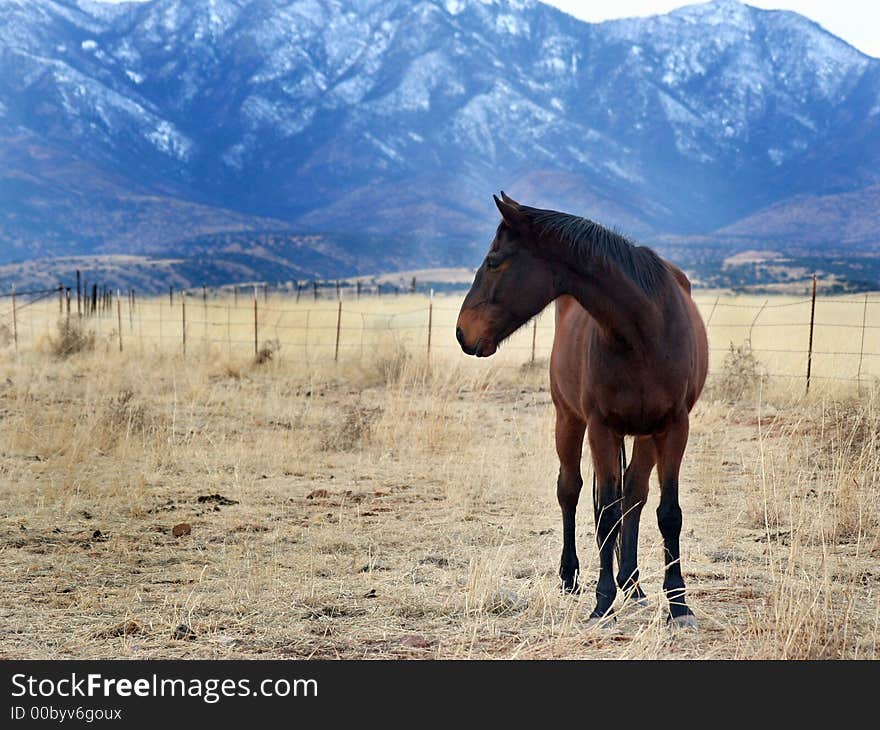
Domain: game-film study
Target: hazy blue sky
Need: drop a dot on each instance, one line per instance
(856, 21)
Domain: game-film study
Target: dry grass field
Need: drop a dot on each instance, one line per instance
(393, 504)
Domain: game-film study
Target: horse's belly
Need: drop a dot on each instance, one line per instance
(629, 409)
(627, 424)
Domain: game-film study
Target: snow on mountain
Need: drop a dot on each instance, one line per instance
(368, 115)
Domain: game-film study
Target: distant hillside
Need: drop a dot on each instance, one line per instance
(141, 127)
(845, 222)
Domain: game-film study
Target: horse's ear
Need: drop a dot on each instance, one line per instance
(511, 214)
(507, 199)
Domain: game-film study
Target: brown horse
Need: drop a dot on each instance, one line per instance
(629, 358)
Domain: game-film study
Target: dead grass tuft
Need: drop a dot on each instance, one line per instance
(73, 338)
(740, 375)
(403, 506)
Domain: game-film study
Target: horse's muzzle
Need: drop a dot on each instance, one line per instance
(482, 348)
(459, 335)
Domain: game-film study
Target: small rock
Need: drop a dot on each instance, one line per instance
(184, 528)
(414, 641)
(503, 600)
(723, 556)
(126, 628)
(372, 568)
(183, 633)
(216, 499)
(371, 593)
(318, 494)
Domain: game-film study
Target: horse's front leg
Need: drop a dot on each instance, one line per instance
(635, 494)
(569, 446)
(670, 451)
(605, 449)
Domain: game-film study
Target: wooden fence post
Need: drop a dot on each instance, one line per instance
(68, 304)
(119, 321)
(338, 329)
(315, 289)
(534, 337)
(862, 344)
(78, 293)
(810, 346)
(94, 299)
(14, 320)
(256, 331)
(235, 295)
(430, 318)
(61, 299)
(183, 317)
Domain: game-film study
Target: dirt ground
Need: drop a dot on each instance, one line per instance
(396, 509)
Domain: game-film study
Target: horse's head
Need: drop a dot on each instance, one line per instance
(512, 285)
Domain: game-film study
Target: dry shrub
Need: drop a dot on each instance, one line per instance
(850, 428)
(740, 373)
(124, 414)
(818, 471)
(801, 618)
(73, 337)
(121, 418)
(265, 354)
(391, 364)
(352, 431)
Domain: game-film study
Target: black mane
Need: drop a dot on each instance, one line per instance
(587, 239)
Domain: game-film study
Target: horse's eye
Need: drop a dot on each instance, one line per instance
(492, 263)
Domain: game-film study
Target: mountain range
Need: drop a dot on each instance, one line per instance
(278, 138)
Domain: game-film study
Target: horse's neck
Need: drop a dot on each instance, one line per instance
(622, 310)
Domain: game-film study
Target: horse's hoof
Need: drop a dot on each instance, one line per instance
(686, 621)
(605, 623)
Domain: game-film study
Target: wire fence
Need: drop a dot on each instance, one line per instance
(810, 338)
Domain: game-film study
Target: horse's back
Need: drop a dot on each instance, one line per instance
(679, 276)
(700, 338)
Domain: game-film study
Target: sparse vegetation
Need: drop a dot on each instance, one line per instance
(740, 373)
(73, 338)
(396, 506)
(267, 352)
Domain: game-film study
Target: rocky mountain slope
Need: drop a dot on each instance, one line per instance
(133, 128)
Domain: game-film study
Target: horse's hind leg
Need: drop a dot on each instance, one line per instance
(635, 494)
(569, 445)
(670, 450)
